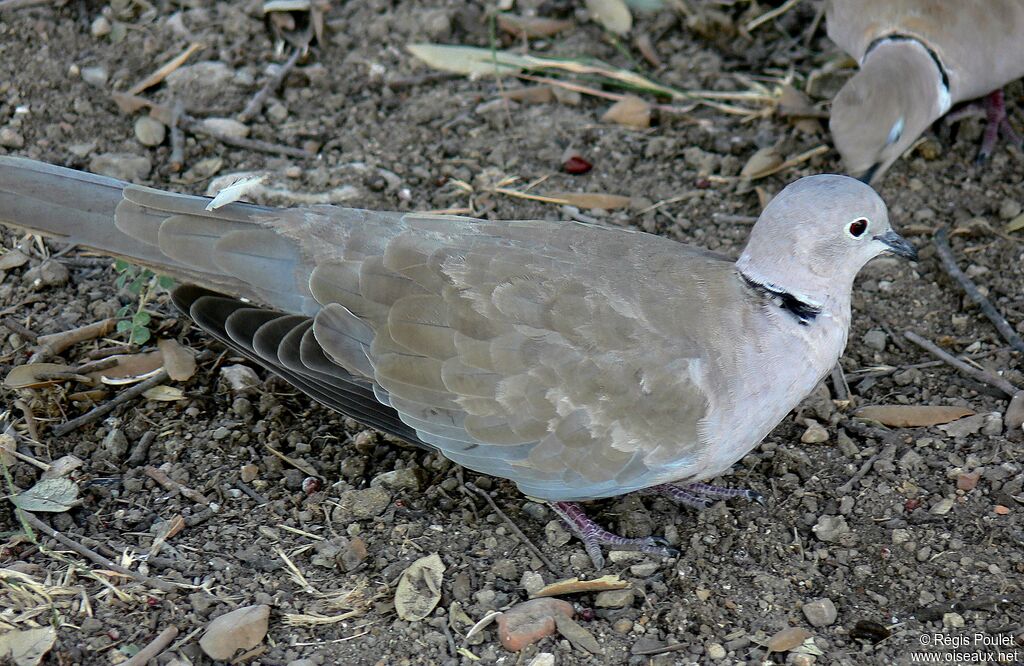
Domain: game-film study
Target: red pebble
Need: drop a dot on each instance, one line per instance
(576, 165)
(310, 485)
(911, 504)
(530, 621)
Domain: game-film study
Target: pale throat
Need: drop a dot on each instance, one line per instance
(943, 99)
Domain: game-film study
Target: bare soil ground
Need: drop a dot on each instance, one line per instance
(872, 520)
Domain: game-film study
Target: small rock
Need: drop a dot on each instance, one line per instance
(437, 24)
(964, 427)
(248, 473)
(531, 582)
(715, 651)
(993, 424)
(123, 166)
(543, 659)
(901, 536)
(1014, 417)
(644, 569)
(615, 598)
(577, 635)
(352, 554)
(240, 378)
(221, 433)
(366, 503)
(226, 127)
(1009, 209)
(800, 659)
(115, 444)
(876, 339)
(10, 138)
(398, 479)
(622, 626)
(787, 639)
(967, 481)
(150, 131)
(820, 612)
(942, 507)
(95, 76)
(815, 433)
(952, 620)
(556, 534)
(50, 273)
(505, 569)
(530, 621)
(241, 629)
(202, 83)
(830, 528)
(100, 27)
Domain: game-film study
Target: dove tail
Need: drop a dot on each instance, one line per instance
(226, 250)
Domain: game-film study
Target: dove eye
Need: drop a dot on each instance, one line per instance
(858, 227)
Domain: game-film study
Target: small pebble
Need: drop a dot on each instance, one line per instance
(876, 339)
(815, 433)
(556, 534)
(50, 273)
(644, 569)
(150, 131)
(226, 127)
(248, 473)
(94, 76)
(1009, 209)
(953, 620)
(830, 528)
(715, 651)
(240, 378)
(820, 612)
(531, 582)
(967, 481)
(622, 626)
(100, 27)
(615, 598)
(241, 629)
(10, 138)
(543, 659)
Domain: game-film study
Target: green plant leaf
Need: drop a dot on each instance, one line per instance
(136, 285)
(123, 325)
(120, 265)
(165, 282)
(139, 335)
(141, 318)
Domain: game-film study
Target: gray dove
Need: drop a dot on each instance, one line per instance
(917, 59)
(577, 361)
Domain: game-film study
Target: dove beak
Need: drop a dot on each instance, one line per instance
(897, 245)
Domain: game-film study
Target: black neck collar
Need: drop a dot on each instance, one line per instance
(907, 38)
(803, 311)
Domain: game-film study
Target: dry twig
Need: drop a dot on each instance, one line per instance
(172, 486)
(515, 529)
(255, 105)
(107, 407)
(155, 648)
(974, 373)
(941, 242)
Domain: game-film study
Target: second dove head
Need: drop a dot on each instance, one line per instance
(816, 235)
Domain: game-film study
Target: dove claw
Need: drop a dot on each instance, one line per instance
(594, 536)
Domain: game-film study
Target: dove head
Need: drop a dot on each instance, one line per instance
(814, 237)
(880, 112)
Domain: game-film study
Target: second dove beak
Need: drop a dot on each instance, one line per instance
(898, 245)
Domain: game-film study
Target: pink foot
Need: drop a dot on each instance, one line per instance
(996, 123)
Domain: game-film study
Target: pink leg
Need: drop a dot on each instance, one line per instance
(594, 536)
(996, 122)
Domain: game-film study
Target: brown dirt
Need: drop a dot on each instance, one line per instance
(745, 571)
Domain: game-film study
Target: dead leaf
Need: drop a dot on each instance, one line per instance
(130, 368)
(532, 26)
(1016, 224)
(575, 586)
(27, 647)
(34, 375)
(12, 259)
(912, 416)
(179, 361)
(61, 467)
(164, 393)
(49, 495)
(469, 60)
(630, 111)
(577, 635)
(761, 163)
(613, 15)
(419, 588)
(7, 445)
(592, 200)
(297, 463)
(787, 639)
(530, 94)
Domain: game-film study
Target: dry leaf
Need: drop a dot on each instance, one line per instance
(532, 26)
(33, 375)
(530, 94)
(130, 368)
(793, 102)
(761, 163)
(297, 463)
(12, 259)
(912, 416)
(787, 639)
(613, 15)
(575, 586)
(7, 445)
(630, 111)
(164, 393)
(419, 588)
(26, 647)
(592, 200)
(1016, 224)
(50, 495)
(577, 635)
(468, 60)
(179, 361)
(61, 467)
